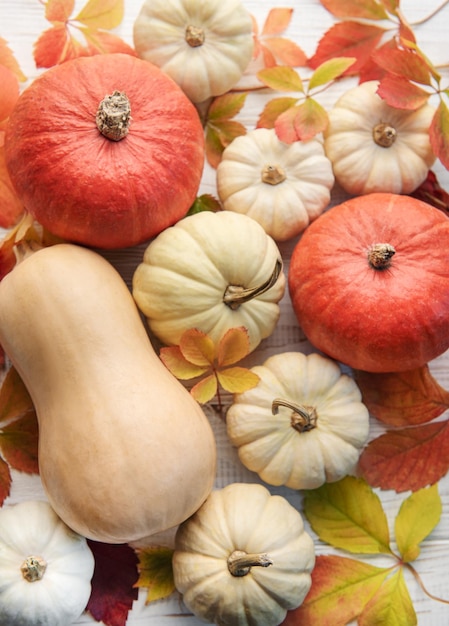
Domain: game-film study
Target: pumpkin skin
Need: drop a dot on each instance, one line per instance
(282, 186)
(204, 46)
(56, 590)
(247, 518)
(388, 319)
(124, 449)
(190, 269)
(304, 424)
(87, 188)
(375, 147)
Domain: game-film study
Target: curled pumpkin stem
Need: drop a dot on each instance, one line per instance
(235, 295)
(240, 562)
(303, 418)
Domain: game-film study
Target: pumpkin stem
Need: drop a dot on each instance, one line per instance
(384, 135)
(303, 418)
(114, 116)
(273, 175)
(380, 255)
(240, 562)
(194, 36)
(33, 568)
(235, 295)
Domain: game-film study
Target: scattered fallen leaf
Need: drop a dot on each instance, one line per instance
(391, 604)
(220, 128)
(430, 191)
(8, 60)
(205, 202)
(5, 481)
(156, 572)
(439, 133)
(270, 43)
(365, 9)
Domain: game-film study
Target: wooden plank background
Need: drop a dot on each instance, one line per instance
(21, 22)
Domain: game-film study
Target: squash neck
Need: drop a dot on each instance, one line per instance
(113, 116)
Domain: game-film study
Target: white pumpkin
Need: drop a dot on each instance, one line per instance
(204, 46)
(45, 568)
(213, 272)
(244, 558)
(282, 186)
(375, 147)
(304, 424)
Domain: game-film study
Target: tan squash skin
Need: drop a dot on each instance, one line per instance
(124, 450)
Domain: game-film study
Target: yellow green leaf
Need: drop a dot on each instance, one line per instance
(281, 78)
(178, 365)
(105, 14)
(226, 106)
(417, 517)
(237, 379)
(329, 71)
(391, 605)
(348, 514)
(233, 346)
(205, 389)
(273, 109)
(197, 347)
(155, 572)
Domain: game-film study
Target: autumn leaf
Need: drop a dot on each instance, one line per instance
(403, 398)
(197, 355)
(408, 458)
(5, 481)
(155, 572)
(403, 62)
(348, 514)
(301, 122)
(391, 604)
(113, 583)
(329, 71)
(281, 78)
(59, 43)
(220, 127)
(432, 192)
(273, 109)
(439, 133)
(8, 60)
(275, 48)
(401, 93)
(365, 9)
(204, 202)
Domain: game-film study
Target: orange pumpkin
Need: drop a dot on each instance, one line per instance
(369, 282)
(105, 151)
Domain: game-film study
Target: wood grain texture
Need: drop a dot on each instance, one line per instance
(21, 22)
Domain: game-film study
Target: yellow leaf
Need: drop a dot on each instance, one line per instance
(178, 365)
(417, 517)
(391, 605)
(197, 347)
(155, 572)
(237, 379)
(104, 14)
(205, 389)
(233, 346)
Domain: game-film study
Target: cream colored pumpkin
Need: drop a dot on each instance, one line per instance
(45, 568)
(212, 271)
(375, 147)
(303, 424)
(204, 46)
(282, 186)
(244, 558)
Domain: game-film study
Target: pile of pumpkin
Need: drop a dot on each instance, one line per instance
(107, 152)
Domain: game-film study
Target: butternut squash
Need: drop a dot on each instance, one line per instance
(124, 450)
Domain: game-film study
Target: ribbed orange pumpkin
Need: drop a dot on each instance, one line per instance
(369, 282)
(108, 176)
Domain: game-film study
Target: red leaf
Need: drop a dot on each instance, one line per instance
(403, 398)
(113, 583)
(407, 459)
(399, 92)
(5, 481)
(19, 443)
(439, 134)
(405, 63)
(431, 192)
(54, 46)
(351, 39)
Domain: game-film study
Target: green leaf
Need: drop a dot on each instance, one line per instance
(205, 202)
(329, 71)
(155, 572)
(391, 605)
(226, 106)
(417, 517)
(273, 109)
(348, 514)
(281, 78)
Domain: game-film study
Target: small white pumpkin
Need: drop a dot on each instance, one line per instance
(375, 147)
(211, 271)
(304, 424)
(45, 568)
(204, 46)
(282, 186)
(244, 558)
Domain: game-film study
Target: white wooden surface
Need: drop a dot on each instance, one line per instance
(21, 22)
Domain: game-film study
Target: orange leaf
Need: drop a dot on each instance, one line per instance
(197, 347)
(403, 398)
(5, 481)
(399, 92)
(59, 10)
(439, 133)
(407, 459)
(237, 379)
(405, 63)
(218, 136)
(8, 60)
(11, 208)
(366, 9)
(10, 92)
(287, 52)
(178, 365)
(102, 42)
(56, 45)
(205, 389)
(233, 346)
(273, 110)
(277, 21)
(302, 122)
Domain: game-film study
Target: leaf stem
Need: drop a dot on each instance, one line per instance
(428, 17)
(418, 579)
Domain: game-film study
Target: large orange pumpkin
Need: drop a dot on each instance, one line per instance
(369, 282)
(106, 190)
